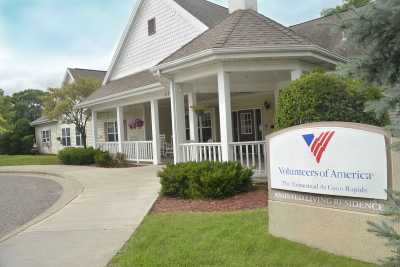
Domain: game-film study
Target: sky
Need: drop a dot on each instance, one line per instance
(39, 39)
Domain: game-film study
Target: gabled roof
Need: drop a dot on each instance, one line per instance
(133, 81)
(328, 33)
(42, 120)
(209, 13)
(86, 73)
(243, 28)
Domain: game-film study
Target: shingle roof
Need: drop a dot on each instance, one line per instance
(129, 82)
(42, 120)
(86, 73)
(243, 28)
(328, 33)
(209, 13)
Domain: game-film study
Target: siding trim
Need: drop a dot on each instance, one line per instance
(128, 29)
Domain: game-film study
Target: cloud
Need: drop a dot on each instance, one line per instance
(38, 42)
(39, 39)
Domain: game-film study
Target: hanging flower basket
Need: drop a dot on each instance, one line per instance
(136, 124)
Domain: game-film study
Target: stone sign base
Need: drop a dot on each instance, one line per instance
(341, 232)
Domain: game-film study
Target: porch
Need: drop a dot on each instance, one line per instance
(215, 116)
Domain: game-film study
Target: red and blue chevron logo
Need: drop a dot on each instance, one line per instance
(319, 145)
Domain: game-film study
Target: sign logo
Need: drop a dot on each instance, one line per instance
(319, 145)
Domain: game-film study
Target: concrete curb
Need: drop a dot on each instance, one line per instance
(71, 190)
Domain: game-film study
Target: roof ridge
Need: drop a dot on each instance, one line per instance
(282, 28)
(213, 4)
(225, 38)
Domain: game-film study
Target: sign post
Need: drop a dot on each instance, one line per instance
(326, 180)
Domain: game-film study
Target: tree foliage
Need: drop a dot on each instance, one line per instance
(28, 104)
(16, 114)
(60, 104)
(319, 97)
(387, 231)
(347, 5)
(376, 31)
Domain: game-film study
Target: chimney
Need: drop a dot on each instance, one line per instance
(242, 4)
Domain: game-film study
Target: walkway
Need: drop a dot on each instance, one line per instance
(91, 229)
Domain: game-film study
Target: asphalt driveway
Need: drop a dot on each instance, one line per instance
(93, 226)
(22, 198)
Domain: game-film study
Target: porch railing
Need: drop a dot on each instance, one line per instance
(138, 151)
(251, 155)
(111, 147)
(201, 152)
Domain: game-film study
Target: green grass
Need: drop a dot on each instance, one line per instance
(6, 160)
(217, 239)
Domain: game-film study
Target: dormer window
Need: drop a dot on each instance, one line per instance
(152, 26)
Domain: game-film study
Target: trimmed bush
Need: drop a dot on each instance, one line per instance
(106, 160)
(103, 159)
(78, 156)
(320, 96)
(210, 180)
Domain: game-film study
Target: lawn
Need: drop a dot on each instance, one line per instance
(6, 160)
(217, 239)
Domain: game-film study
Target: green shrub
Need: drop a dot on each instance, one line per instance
(107, 160)
(78, 156)
(103, 159)
(206, 179)
(320, 96)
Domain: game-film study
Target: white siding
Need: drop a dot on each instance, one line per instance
(175, 27)
(56, 132)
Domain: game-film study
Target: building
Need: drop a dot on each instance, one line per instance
(53, 136)
(192, 80)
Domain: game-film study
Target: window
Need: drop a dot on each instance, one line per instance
(205, 127)
(45, 136)
(151, 26)
(78, 137)
(111, 130)
(246, 123)
(66, 137)
(187, 126)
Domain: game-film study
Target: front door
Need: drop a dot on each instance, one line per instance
(247, 125)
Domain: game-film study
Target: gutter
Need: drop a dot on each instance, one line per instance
(246, 50)
(118, 96)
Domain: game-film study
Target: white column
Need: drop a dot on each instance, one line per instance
(178, 120)
(225, 113)
(120, 124)
(193, 119)
(296, 74)
(155, 126)
(94, 128)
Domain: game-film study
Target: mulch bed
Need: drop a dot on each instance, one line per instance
(252, 200)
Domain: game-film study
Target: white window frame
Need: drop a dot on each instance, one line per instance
(78, 136)
(45, 136)
(201, 125)
(114, 133)
(246, 123)
(66, 137)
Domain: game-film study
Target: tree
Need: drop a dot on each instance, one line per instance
(347, 5)
(60, 104)
(319, 97)
(28, 104)
(375, 30)
(19, 139)
(6, 111)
